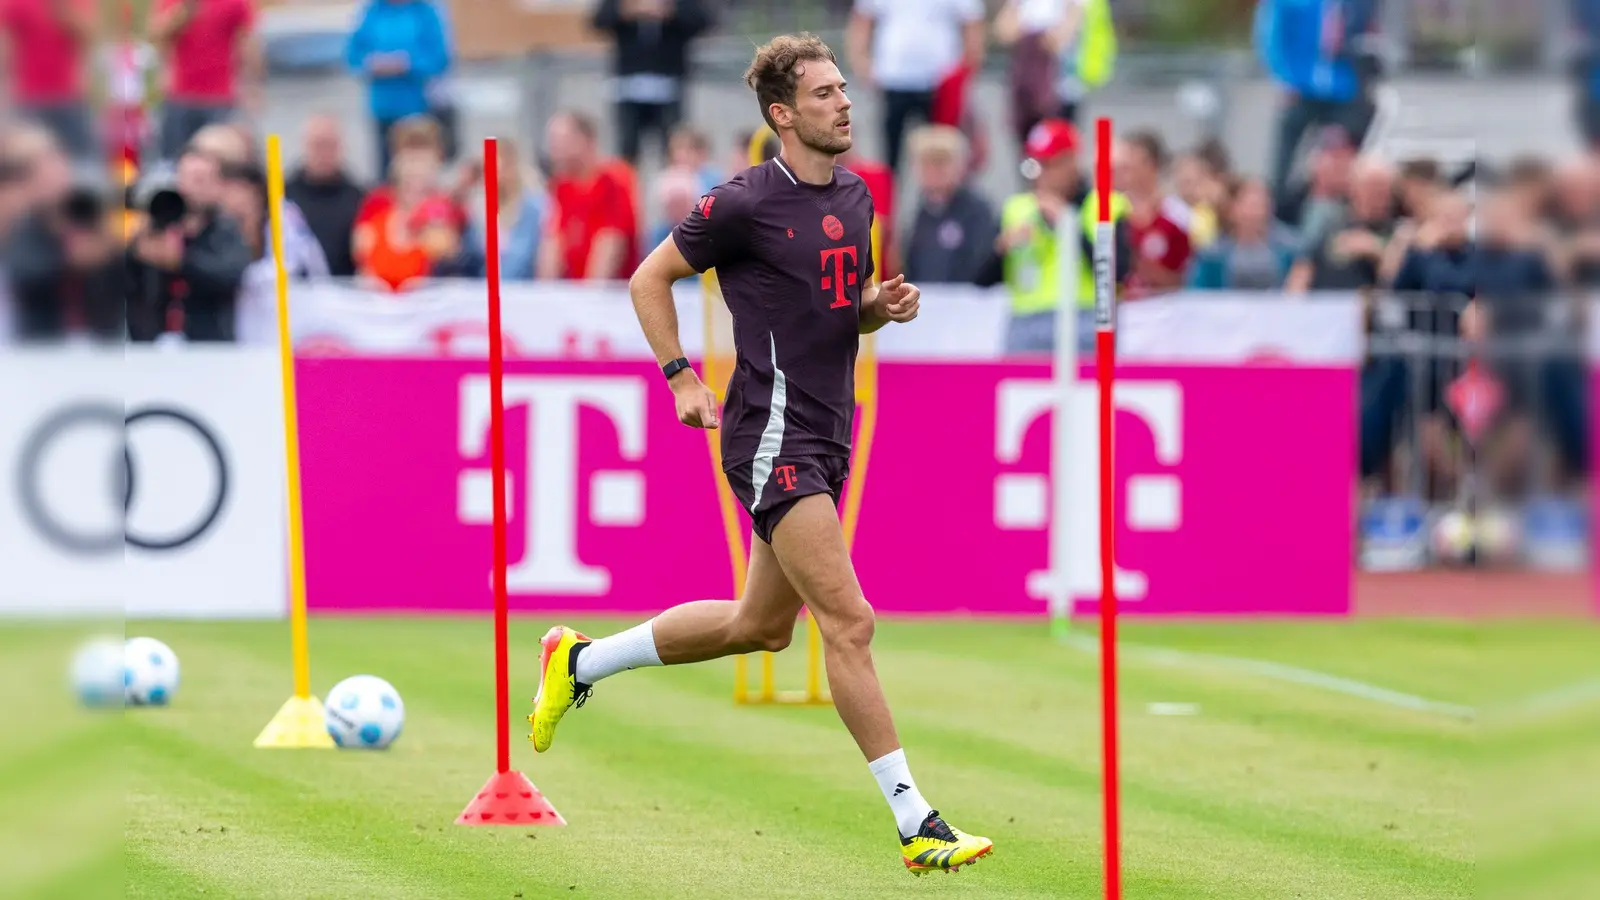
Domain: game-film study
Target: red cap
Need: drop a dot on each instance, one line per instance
(1051, 138)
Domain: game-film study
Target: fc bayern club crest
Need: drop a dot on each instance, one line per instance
(832, 227)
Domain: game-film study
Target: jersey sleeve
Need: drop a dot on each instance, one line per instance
(714, 230)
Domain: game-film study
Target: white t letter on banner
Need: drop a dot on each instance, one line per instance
(549, 562)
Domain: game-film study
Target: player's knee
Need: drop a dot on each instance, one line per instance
(751, 634)
(852, 628)
(774, 638)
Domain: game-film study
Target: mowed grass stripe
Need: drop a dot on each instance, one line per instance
(273, 854)
(762, 851)
(1089, 782)
(159, 879)
(322, 843)
(1289, 829)
(420, 714)
(673, 738)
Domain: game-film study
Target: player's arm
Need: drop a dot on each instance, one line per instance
(873, 316)
(889, 301)
(651, 291)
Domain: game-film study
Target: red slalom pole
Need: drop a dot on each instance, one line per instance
(1105, 349)
(497, 448)
(508, 798)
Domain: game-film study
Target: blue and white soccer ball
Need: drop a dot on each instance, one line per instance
(150, 672)
(364, 712)
(97, 672)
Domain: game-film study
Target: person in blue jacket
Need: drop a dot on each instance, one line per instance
(401, 47)
(1312, 48)
(1585, 22)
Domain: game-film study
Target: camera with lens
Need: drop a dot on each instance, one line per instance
(163, 207)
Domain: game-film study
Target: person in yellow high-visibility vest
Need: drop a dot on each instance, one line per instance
(1026, 256)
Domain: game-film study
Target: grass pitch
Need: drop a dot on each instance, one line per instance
(1264, 788)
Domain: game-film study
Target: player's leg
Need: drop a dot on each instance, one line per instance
(763, 618)
(810, 546)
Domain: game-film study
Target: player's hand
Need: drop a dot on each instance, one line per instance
(697, 405)
(900, 300)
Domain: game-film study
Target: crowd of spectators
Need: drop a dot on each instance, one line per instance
(1474, 251)
(1326, 218)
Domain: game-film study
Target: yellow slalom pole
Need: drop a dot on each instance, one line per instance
(299, 723)
(867, 397)
(741, 664)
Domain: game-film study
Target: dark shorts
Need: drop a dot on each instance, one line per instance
(782, 481)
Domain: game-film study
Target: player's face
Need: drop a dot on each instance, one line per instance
(822, 109)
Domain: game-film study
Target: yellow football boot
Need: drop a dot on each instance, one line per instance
(559, 688)
(938, 847)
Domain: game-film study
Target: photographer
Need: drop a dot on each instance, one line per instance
(186, 264)
(59, 257)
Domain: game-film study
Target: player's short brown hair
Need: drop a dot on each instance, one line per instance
(775, 72)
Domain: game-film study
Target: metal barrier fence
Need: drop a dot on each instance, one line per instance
(1474, 432)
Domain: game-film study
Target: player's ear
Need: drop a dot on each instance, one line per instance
(781, 114)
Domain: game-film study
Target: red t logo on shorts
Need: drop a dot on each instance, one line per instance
(786, 477)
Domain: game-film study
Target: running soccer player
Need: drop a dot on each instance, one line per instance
(791, 242)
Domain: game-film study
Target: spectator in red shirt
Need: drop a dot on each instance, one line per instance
(212, 62)
(1159, 221)
(45, 42)
(593, 225)
(420, 133)
(416, 233)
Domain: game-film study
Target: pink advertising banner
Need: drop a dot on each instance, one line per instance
(1234, 484)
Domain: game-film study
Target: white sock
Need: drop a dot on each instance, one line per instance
(905, 801)
(631, 649)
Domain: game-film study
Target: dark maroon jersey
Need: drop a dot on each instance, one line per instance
(792, 259)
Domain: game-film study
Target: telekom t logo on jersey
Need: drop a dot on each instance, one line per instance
(837, 258)
(549, 519)
(1022, 499)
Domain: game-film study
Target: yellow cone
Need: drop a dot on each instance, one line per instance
(298, 725)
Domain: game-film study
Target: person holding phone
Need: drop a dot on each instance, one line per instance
(401, 48)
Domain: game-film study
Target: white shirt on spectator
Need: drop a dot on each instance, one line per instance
(256, 315)
(915, 43)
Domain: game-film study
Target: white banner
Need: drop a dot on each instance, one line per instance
(149, 482)
(958, 322)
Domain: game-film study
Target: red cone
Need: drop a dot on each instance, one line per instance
(510, 799)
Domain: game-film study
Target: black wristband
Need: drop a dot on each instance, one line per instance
(674, 367)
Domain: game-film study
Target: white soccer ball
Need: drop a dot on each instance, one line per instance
(97, 672)
(1453, 537)
(365, 712)
(149, 673)
(1499, 535)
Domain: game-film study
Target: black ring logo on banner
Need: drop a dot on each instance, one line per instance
(125, 482)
